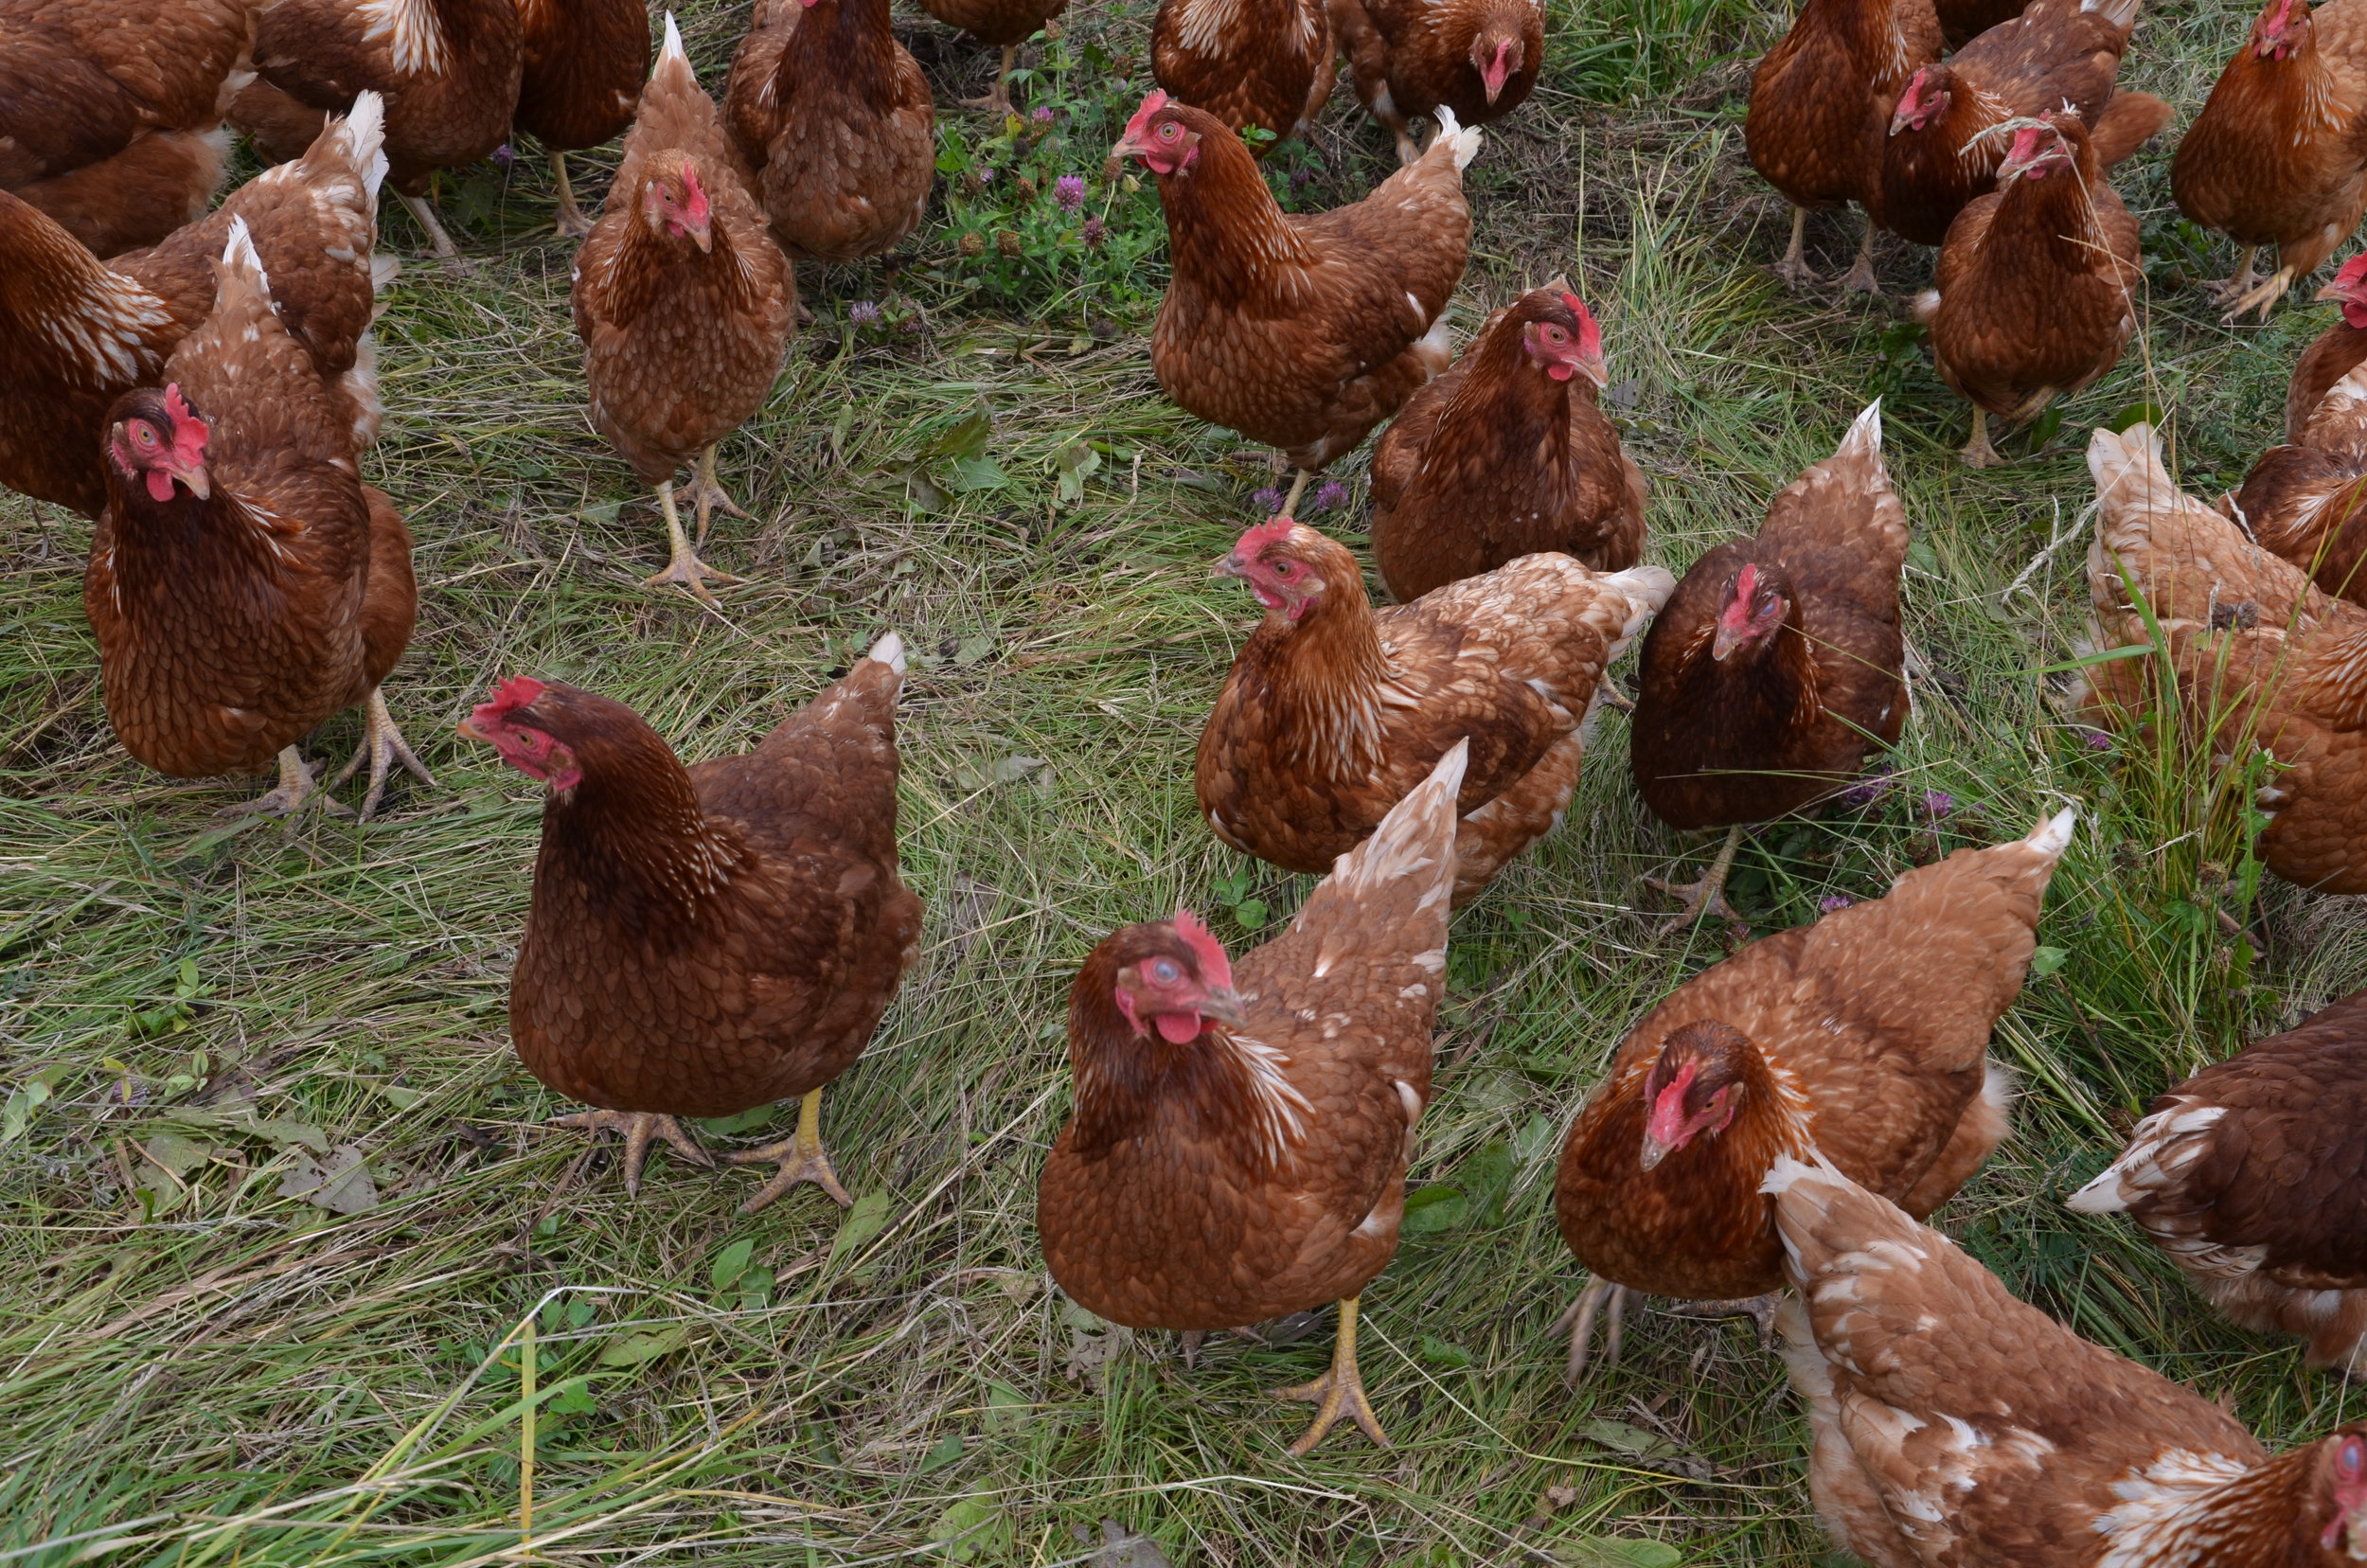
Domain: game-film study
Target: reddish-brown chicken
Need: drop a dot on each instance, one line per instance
(2263, 657)
(835, 118)
(111, 116)
(2337, 352)
(1479, 58)
(1002, 24)
(1302, 331)
(2253, 1176)
(1864, 1036)
(448, 69)
(245, 585)
(1961, 21)
(1238, 1140)
(1506, 455)
(584, 64)
(2308, 500)
(1775, 666)
(708, 940)
(1815, 124)
(684, 302)
(2275, 157)
(1268, 64)
(75, 333)
(2032, 298)
(1944, 147)
(1955, 1425)
(1332, 711)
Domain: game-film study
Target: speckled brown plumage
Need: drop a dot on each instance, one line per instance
(2260, 653)
(2332, 356)
(706, 939)
(1864, 1035)
(1818, 97)
(1268, 64)
(1961, 21)
(1407, 57)
(996, 22)
(584, 61)
(2253, 1176)
(1788, 716)
(1300, 330)
(1333, 711)
(2308, 500)
(835, 118)
(1957, 1426)
(1496, 459)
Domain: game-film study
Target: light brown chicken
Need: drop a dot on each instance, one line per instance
(1002, 24)
(2262, 656)
(2306, 500)
(1267, 64)
(2335, 354)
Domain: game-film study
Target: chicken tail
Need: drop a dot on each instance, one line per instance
(2052, 836)
(2121, 13)
(1825, 1217)
(2134, 488)
(244, 285)
(1647, 588)
(1415, 839)
(889, 649)
(672, 57)
(359, 141)
(2127, 123)
(1463, 144)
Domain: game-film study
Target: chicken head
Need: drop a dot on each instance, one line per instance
(2280, 29)
(1496, 55)
(674, 203)
(2345, 1483)
(1287, 565)
(2040, 147)
(1562, 337)
(1758, 602)
(1695, 1087)
(514, 724)
(1925, 100)
(2350, 288)
(155, 438)
(1161, 134)
(1174, 977)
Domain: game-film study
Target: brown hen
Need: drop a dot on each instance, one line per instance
(1001, 24)
(2335, 354)
(2306, 500)
(1261, 64)
(1961, 21)
(1332, 712)
(1479, 58)
(1506, 455)
(1864, 1036)
(1956, 1425)
(1239, 1142)
(704, 940)
(584, 64)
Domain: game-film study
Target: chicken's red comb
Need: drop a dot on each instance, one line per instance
(1215, 968)
(1153, 103)
(1911, 99)
(1272, 531)
(190, 434)
(2353, 272)
(1589, 334)
(509, 696)
(695, 207)
(1737, 611)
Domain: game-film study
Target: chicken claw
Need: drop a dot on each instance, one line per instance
(1978, 452)
(1579, 1321)
(384, 745)
(298, 790)
(685, 568)
(1760, 1310)
(569, 223)
(639, 1128)
(2264, 295)
(1793, 269)
(2241, 282)
(1706, 896)
(800, 1156)
(998, 98)
(1860, 278)
(707, 493)
(437, 240)
(1339, 1391)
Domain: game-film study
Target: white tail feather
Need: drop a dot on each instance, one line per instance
(363, 139)
(673, 41)
(239, 256)
(889, 649)
(1463, 144)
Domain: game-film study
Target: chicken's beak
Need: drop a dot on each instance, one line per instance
(2337, 291)
(469, 730)
(702, 235)
(1230, 565)
(1126, 147)
(1595, 368)
(1727, 640)
(1653, 1152)
(1223, 1004)
(190, 473)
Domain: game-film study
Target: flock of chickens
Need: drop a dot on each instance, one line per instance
(199, 380)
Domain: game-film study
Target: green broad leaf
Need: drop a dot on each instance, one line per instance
(644, 1344)
(1616, 1552)
(580, 1311)
(400, 1097)
(946, 1451)
(572, 1398)
(731, 1263)
(176, 1153)
(965, 439)
(27, 1097)
(724, 1127)
(971, 474)
(1920, 556)
(1619, 1436)
(1010, 770)
(1251, 913)
(1440, 1352)
(1536, 1137)
(868, 1219)
(2042, 430)
(1433, 1208)
(2046, 960)
(974, 647)
(926, 493)
(601, 512)
(1007, 1407)
(1488, 1177)
(2137, 414)
(971, 1529)
(338, 1182)
(756, 1290)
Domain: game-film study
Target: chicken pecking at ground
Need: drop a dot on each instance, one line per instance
(999, 23)
(704, 940)
(1239, 1144)
(584, 64)
(1775, 666)
(1864, 1036)
(110, 116)
(1505, 454)
(1333, 711)
(449, 70)
(2275, 157)
(2306, 500)
(2034, 294)
(2253, 1176)
(243, 583)
(1302, 331)
(1479, 58)
(1267, 65)
(684, 302)
(2261, 655)
(1956, 1425)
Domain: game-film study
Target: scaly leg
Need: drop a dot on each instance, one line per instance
(1338, 1392)
(1707, 896)
(2264, 295)
(998, 98)
(382, 745)
(1978, 452)
(570, 222)
(1298, 488)
(298, 792)
(1860, 278)
(640, 1129)
(437, 238)
(708, 493)
(685, 568)
(1794, 268)
(1580, 1320)
(800, 1156)
(2240, 281)
(1760, 1310)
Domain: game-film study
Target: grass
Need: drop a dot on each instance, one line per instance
(197, 1369)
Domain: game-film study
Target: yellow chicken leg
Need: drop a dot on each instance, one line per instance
(1708, 894)
(570, 220)
(685, 568)
(437, 238)
(2264, 295)
(1338, 1392)
(1794, 268)
(1978, 452)
(707, 493)
(298, 791)
(1580, 1318)
(1298, 488)
(800, 1156)
(1860, 278)
(998, 98)
(640, 1128)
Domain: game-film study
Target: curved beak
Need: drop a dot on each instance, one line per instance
(1126, 147)
(1595, 368)
(469, 729)
(1727, 640)
(702, 235)
(1230, 565)
(1223, 1004)
(192, 473)
(1652, 1153)
(2336, 292)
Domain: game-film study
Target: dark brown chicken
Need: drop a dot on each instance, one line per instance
(1332, 712)
(1775, 666)
(1002, 24)
(704, 940)
(1864, 1036)
(1943, 148)
(2336, 352)
(2253, 1176)
(1814, 128)
(1267, 64)
(2308, 500)
(243, 583)
(2032, 295)
(1506, 455)
(1302, 331)
(584, 64)
(1480, 58)
(1961, 21)
(1240, 1137)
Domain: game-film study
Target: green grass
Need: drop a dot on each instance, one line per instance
(194, 1369)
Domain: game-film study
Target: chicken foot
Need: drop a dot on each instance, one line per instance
(685, 568)
(1860, 278)
(437, 240)
(299, 790)
(1978, 452)
(1192, 1339)
(1579, 1321)
(640, 1129)
(800, 1156)
(1338, 1392)
(708, 492)
(2264, 295)
(1706, 896)
(2239, 282)
(1760, 1310)
(570, 222)
(1794, 268)
(382, 745)
(998, 98)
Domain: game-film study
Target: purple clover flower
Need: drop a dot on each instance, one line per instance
(863, 313)
(503, 157)
(1093, 232)
(1069, 190)
(1269, 500)
(1858, 797)
(2098, 742)
(1937, 803)
(1832, 902)
(1331, 494)
(1041, 117)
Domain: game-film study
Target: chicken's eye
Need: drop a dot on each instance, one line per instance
(141, 433)
(2354, 1457)
(1167, 131)
(1284, 568)
(1556, 335)
(1165, 972)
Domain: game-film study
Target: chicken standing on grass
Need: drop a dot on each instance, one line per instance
(2306, 500)
(683, 303)
(1267, 65)
(585, 61)
(704, 940)
(1956, 1425)
(1333, 711)
(1864, 1036)
(1240, 1134)
(1479, 58)
(999, 23)
(1301, 332)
